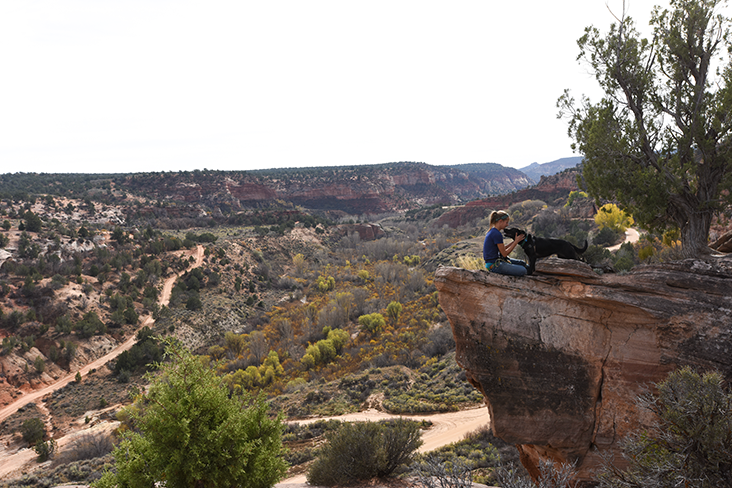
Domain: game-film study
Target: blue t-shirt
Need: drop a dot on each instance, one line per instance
(490, 245)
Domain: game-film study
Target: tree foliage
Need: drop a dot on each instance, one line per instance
(393, 310)
(33, 430)
(691, 443)
(191, 433)
(658, 142)
(372, 322)
(612, 217)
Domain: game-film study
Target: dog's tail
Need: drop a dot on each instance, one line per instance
(580, 251)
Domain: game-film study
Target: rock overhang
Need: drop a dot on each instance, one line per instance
(561, 356)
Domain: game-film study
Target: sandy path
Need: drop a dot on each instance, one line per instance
(35, 395)
(168, 285)
(446, 429)
(631, 235)
(13, 461)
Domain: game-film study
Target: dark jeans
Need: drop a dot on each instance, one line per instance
(514, 268)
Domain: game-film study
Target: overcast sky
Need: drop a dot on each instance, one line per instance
(128, 86)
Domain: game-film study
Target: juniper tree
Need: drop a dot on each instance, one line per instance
(658, 142)
(189, 432)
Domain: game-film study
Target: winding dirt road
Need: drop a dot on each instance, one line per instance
(98, 363)
(446, 429)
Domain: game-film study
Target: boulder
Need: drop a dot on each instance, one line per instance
(561, 356)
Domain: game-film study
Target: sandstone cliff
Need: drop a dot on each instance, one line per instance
(561, 356)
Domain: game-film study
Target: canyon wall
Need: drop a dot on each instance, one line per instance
(561, 356)
(354, 190)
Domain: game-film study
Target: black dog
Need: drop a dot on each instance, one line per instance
(540, 247)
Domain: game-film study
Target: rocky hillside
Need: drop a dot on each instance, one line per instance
(552, 190)
(561, 356)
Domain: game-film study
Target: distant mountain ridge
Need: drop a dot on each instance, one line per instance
(535, 170)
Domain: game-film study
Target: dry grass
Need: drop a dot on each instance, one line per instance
(469, 261)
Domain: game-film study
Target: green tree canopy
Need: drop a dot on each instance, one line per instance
(658, 142)
(190, 433)
(33, 222)
(372, 322)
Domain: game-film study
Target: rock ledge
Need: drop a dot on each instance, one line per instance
(561, 356)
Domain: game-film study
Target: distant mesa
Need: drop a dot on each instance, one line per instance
(336, 191)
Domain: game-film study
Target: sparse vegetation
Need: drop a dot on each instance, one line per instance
(479, 454)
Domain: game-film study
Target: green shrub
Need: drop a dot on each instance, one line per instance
(191, 432)
(606, 237)
(597, 255)
(364, 450)
(45, 450)
(33, 430)
(623, 264)
(39, 364)
(89, 325)
(194, 303)
(372, 323)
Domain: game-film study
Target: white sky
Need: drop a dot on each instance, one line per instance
(145, 85)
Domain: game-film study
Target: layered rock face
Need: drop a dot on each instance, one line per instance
(354, 190)
(562, 355)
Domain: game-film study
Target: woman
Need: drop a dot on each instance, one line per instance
(496, 254)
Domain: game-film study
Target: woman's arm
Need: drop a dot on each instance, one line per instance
(506, 250)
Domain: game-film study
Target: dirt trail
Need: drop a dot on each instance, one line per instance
(35, 395)
(12, 460)
(631, 235)
(446, 429)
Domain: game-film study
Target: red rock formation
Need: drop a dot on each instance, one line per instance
(562, 355)
(250, 191)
